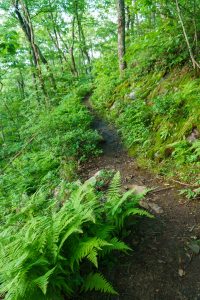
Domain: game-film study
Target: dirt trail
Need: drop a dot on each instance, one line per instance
(162, 267)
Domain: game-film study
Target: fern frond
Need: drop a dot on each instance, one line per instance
(131, 212)
(114, 188)
(92, 257)
(86, 248)
(43, 280)
(121, 201)
(115, 244)
(96, 281)
(103, 232)
(137, 211)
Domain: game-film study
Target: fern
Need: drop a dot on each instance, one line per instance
(131, 212)
(114, 190)
(48, 263)
(87, 248)
(97, 282)
(121, 201)
(92, 257)
(117, 245)
(43, 281)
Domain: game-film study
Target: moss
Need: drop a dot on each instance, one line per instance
(156, 124)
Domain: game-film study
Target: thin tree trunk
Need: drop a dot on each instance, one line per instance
(73, 67)
(55, 40)
(2, 133)
(121, 35)
(60, 56)
(26, 25)
(128, 13)
(82, 39)
(34, 77)
(194, 62)
(72, 49)
(195, 28)
(21, 84)
(28, 30)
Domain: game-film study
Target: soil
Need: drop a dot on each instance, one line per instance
(162, 265)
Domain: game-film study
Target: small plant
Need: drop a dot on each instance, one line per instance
(103, 179)
(191, 193)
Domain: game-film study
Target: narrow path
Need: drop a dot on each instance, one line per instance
(162, 267)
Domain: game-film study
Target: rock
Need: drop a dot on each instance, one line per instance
(151, 206)
(143, 203)
(98, 173)
(114, 106)
(92, 180)
(156, 208)
(132, 95)
(194, 135)
(138, 189)
(78, 182)
(56, 192)
(181, 272)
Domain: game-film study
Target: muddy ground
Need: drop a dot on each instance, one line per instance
(162, 265)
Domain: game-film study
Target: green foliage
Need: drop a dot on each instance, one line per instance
(98, 282)
(63, 242)
(136, 130)
(156, 123)
(191, 193)
(157, 49)
(58, 140)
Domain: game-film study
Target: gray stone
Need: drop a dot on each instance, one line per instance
(137, 189)
(132, 95)
(156, 208)
(114, 106)
(194, 135)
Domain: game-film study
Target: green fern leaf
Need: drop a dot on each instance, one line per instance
(92, 257)
(96, 281)
(114, 188)
(86, 248)
(121, 201)
(131, 212)
(42, 281)
(115, 244)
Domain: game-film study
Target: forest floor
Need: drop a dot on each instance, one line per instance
(163, 265)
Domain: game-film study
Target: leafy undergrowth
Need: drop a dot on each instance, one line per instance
(55, 231)
(48, 149)
(52, 245)
(156, 106)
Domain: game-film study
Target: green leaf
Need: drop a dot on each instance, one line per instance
(96, 281)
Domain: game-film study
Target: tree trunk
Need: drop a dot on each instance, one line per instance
(128, 22)
(195, 64)
(28, 30)
(82, 39)
(26, 25)
(72, 49)
(121, 35)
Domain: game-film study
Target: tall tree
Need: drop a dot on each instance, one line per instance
(121, 35)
